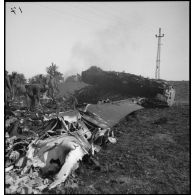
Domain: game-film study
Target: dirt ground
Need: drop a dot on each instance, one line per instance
(152, 155)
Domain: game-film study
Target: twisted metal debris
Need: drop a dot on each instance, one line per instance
(59, 141)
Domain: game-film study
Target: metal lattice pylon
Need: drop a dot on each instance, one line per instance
(157, 72)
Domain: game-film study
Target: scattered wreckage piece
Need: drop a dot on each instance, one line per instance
(152, 103)
(57, 154)
(113, 112)
(20, 130)
(18, 136)
(15, 152)
(9, 121)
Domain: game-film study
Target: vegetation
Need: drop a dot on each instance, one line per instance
(54, 73)
(18, 78)
(37, 79)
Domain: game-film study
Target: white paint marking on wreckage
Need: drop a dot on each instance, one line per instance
(70, 116)
(95, 120)
(113, 112)
(168, 96)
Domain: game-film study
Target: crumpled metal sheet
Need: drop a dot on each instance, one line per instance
(112, 113)
(68, 149)
(9, 121)
(94, 119)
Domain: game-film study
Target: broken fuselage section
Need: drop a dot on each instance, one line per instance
(110, 84)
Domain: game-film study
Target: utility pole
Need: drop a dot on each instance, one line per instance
(157, 72)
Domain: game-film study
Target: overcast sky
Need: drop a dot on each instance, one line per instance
(117, 36)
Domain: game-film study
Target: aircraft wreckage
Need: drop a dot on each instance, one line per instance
(64, 138)
(110, 84)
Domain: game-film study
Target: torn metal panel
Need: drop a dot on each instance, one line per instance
(9, 121)
(71, 164)
(70, 116)
(113, 112)
(94, 119)
(56, 143)
(67, 149)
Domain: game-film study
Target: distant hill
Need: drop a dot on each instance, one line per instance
(182, 90)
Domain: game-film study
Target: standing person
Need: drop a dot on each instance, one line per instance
(33, 93)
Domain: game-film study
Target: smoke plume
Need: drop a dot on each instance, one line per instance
(113, 48)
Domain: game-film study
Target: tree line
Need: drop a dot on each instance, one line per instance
(51, 70)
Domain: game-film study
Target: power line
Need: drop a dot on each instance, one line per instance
(70, 15)
(90, 19)
(58, 12)
(114, 16)
(93, 11)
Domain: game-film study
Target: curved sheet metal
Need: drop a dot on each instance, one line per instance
(113, 112)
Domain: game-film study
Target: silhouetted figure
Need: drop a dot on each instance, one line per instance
(31, 93)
